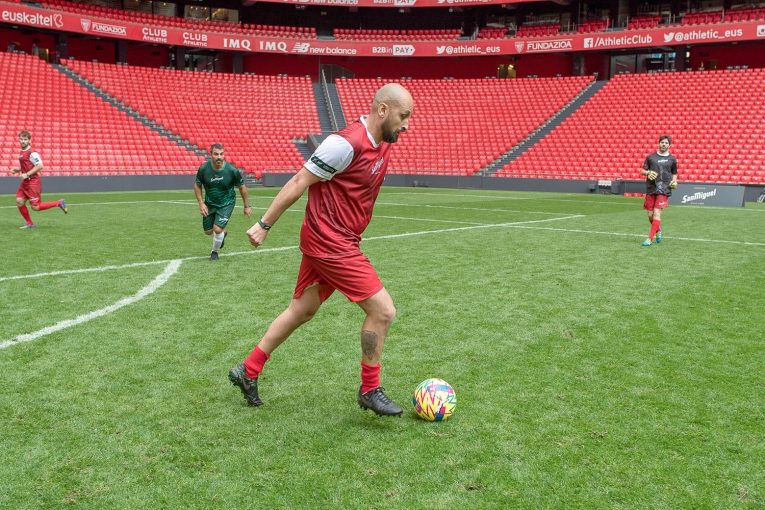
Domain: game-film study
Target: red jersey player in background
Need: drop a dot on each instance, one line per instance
(30, 189)
(343, 178)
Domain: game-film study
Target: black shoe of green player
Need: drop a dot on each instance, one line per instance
(214, 255)
(248, 386)
(223, 243)
(377, 401)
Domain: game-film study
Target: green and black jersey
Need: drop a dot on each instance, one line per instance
(219, 184)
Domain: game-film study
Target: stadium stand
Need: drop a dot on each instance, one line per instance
(492, 33)
(256, 117)
(459, 126)
(594, 26)
(218, 26)
(641, 22)
(76, 132)
(360, 34)
(745, 14)
(702, 18)
(538, 30)
(716, 125)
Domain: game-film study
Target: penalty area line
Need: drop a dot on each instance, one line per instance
(99, 269)
(156, 283)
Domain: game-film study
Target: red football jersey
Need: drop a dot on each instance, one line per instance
(29, 159)
(340, 207)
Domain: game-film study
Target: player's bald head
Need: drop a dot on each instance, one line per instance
(391, 109)
(393, 94)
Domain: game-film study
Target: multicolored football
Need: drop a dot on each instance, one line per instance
(434, 400)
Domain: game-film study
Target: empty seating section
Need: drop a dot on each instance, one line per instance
(255, 117)
(594, 26)
(77, 132)
(702, 18)
(492, 33)
(279, 31)
(745, 14)
(368, 34)
(226, 27)
(538, 30)
(459, 126)
(640, 22)
(714, 117)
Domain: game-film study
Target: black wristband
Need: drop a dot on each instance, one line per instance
(263, 224)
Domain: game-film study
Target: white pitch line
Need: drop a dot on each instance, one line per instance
(431, 206)
(548, 199)
(391, 236)
(624, 234)
(99, 269)
(425, 206)
(457, 229)
(482, 209)
(127, 202)
(170, 270)
(261, 250)
(429, 220)
(463, 195)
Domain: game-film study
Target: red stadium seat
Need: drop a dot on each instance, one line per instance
(442, 139)
(75, 130)
(704, 118)
(284, 104)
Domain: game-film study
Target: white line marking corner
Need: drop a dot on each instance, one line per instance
(156, 283)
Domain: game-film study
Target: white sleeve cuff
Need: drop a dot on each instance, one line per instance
(330, 158)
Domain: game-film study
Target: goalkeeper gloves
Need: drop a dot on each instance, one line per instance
(651, 175)
(673, 184)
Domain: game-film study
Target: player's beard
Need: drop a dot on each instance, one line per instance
(389, 135)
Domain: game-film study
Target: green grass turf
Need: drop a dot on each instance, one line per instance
(590, 372)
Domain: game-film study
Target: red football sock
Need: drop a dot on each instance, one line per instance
(655, 226)
(46, 205)
(25, 213)
(253, 365)
(370, 377)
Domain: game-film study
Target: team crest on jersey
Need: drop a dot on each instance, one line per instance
(377, 166)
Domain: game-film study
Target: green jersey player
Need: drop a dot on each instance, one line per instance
(219, 178)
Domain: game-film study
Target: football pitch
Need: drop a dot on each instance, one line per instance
(590, 372)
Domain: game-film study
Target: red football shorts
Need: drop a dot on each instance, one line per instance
(652, 202)
(31, 190)
(353, 276)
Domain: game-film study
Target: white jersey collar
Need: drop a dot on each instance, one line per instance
(363, 120)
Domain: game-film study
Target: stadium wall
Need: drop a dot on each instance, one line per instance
(24, 40)
(148, 56)
(420, 68)
(54, 185)
(102, 50)
(724, 55)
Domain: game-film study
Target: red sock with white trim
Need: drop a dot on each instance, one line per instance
(253, 365)
(655, 226)
(370, 377)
